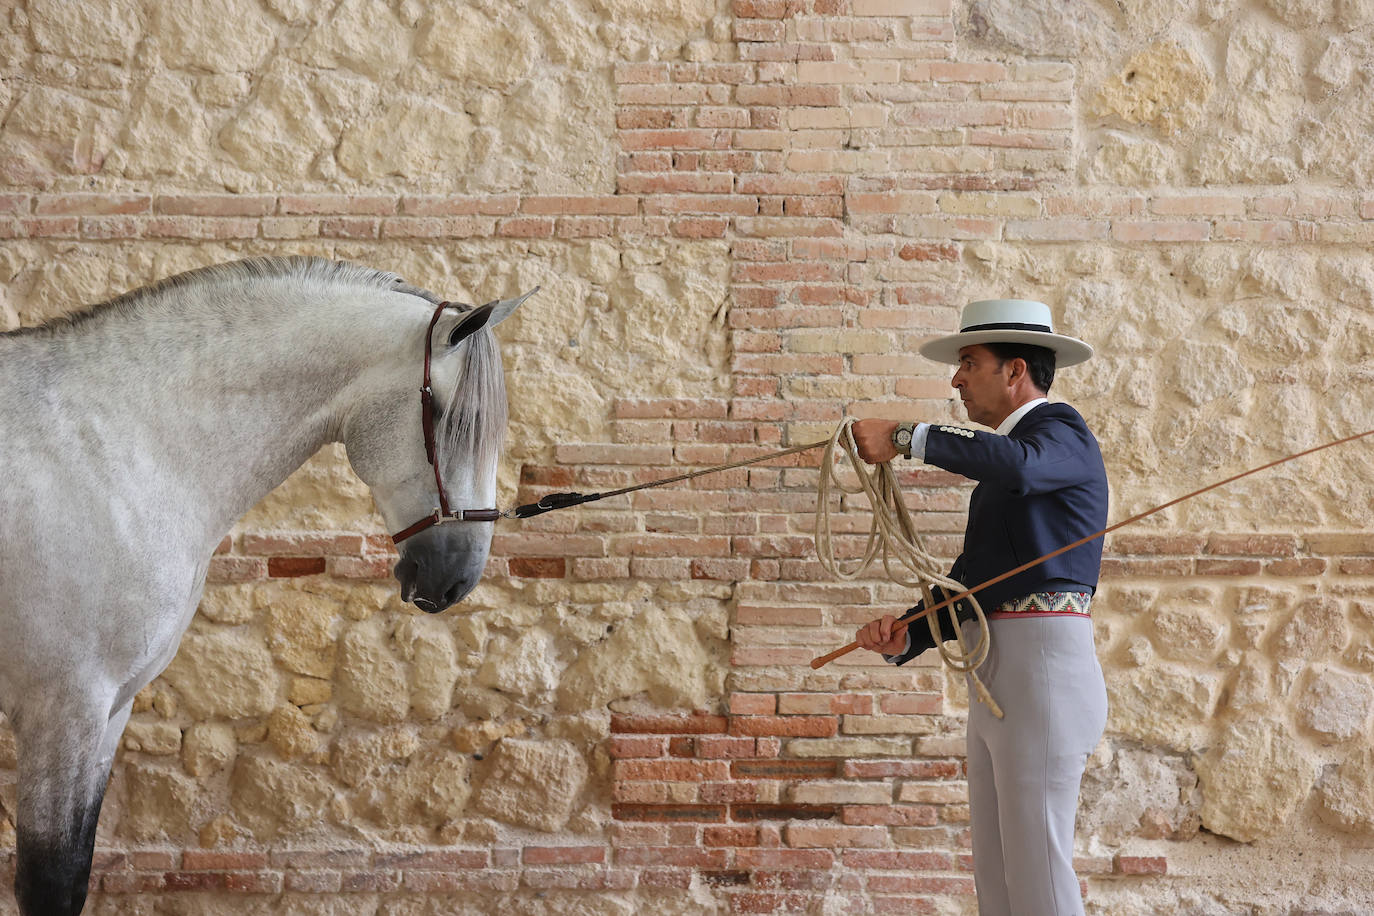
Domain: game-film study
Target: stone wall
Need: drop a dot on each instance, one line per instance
(744, 214)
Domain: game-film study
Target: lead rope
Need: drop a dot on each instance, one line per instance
(893, 534)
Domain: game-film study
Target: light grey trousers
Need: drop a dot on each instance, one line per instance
(1024, 770)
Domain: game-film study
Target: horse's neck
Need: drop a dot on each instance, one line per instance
(218, 409)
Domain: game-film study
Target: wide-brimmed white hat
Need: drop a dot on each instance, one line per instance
(1006, 321)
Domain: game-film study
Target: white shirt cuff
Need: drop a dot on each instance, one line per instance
(918, 441)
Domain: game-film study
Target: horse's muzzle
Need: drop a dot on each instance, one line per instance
(435, 574)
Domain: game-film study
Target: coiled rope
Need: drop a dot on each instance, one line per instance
(893, 534)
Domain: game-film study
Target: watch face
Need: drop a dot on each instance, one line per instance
(903, 437)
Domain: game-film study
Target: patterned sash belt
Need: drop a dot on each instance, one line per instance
(1044, 604)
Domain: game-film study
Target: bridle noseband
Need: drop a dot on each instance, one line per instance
(471, 324)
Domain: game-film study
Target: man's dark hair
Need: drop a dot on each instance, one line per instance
(1039, 361)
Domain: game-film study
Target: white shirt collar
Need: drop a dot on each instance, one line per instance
(1015, 416)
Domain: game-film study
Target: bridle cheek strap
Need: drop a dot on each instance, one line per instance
(442, 514)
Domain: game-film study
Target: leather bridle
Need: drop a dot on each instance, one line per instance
(471, 324)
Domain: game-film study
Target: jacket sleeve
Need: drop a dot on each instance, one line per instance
(1047, 457)
(918, 631)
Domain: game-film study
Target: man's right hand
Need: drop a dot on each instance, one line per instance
(877, 636)
(873, 440)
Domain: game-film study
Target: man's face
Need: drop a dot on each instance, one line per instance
(983, 385)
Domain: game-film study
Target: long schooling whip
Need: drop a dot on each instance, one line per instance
(901, 625)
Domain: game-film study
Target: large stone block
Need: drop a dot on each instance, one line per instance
(1253, 780)
(535, 784)
(278, 134)
(160, 805)
(1162, 705)
(215, 35)
(526, 667)
(208, 748)
(104, 30)
(1347, 794)
(363, 36)
(224, 673)
(430, 789)
(437, 141)
(427, 644)
(275, 799)
(1336, 704)
(659, 652)
(372, 681)
(166, 133)
(1165, 86)
(302, 629)
(1139, 793)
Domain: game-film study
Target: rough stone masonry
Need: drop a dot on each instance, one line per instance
(743, 214)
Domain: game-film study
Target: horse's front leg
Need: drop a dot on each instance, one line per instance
(65, 752)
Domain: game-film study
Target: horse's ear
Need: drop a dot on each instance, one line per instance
(472, 322)
(501, 309)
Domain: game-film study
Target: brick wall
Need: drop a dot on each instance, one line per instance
(863, 168)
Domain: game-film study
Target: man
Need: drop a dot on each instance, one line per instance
(1041, 486)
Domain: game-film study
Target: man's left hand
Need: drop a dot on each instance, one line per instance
(874, 440)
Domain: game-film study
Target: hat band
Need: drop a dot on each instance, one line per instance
(1008, 326)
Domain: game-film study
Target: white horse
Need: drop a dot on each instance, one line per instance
(135, 434)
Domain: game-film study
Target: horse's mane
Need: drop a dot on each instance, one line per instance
(297, 267)
(473, 422)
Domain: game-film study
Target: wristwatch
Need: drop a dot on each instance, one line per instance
(901, 438)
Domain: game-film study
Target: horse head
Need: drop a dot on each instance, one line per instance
(434, 457)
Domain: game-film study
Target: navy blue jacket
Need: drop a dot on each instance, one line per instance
(1040, 487)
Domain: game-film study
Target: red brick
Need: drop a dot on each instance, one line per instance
(615, 205)
(790, 726)
(929, 251)
(730, 836)
(1142, 865)
(193, 881)
(206, 860)
(753, 703)
(289, 567)
(718, 746)
(369, 881)
(199, 227)
(1301, 566)
(564, 855)
(899, 860)
(695, 857)
(538, 567)
(375, 567)
(314, 882)
(236, 569)
(501, 205)
(891, 815)
(431, 859)
(214, 205)
(782, 812)
(338, 204)
(86, 204)
(350, 227)
(111, 227)
(531, 228)
(637, 746)
(1207, 567)
(250, 882)
(672, 813)
(1174, 544)
(671, 770)
(1261, 545)
(784, 769)
(920, 884)
(301, 544)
